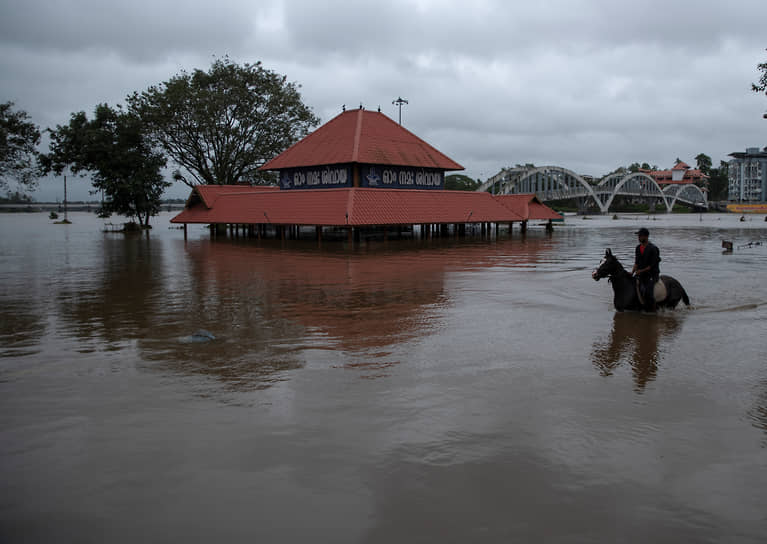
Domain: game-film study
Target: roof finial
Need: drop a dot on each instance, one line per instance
(379, 108)
(360, 105)
(343, 107)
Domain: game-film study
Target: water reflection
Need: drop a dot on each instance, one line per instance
(636, 339)
(21, 328)
(142, 298)
(275, 306)
(356, 301)
(353, 301)
(267, 306)
(118, 301)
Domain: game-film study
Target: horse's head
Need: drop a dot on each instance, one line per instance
(608, 266)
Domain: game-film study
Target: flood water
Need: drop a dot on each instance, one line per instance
(418, 391)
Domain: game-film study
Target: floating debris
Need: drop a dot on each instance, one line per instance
(749, 245)
(728, 245)
(197, 337)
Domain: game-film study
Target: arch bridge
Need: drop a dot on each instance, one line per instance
(557, 183)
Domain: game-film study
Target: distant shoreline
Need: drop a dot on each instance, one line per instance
(33, 207)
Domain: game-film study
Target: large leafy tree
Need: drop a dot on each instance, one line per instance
(761, 86)
(703, 162)
(18, 148)
(115, 150)
(219, 126)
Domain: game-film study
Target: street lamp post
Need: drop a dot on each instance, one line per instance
(399, 103)
(66, 218)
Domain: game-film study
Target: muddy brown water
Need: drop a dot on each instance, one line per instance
(419, 391)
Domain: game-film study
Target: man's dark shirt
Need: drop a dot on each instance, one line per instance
(651, 258)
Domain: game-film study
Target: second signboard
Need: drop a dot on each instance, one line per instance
(391, 177)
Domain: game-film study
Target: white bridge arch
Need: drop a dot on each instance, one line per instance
(558, 183)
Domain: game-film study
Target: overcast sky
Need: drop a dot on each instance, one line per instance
(585, 84)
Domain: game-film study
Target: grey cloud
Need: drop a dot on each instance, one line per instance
(139, 30)
(501, 29)
(587, 84)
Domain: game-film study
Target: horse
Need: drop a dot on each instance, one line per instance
(668, 291)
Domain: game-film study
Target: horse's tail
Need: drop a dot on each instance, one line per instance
(685, 298)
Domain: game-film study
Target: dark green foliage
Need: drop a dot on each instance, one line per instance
(636, 167)
(18, 148)
(219, 126)
(459, 182)
(718, 182)
(761, 86)
(114, 148)
(704, 163)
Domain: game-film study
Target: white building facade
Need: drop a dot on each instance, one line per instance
(748, 176)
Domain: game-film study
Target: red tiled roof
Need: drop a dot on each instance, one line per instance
(527, 206)
(666, 176)
(407, 206)
(539, 211)
(209, 193)
(681, 166)
(364, 137)
(350, 206)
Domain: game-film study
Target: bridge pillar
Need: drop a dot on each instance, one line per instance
(582, 203)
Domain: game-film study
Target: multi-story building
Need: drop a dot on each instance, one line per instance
(748, 176)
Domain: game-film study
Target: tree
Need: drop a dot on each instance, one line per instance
(18, 148)
(460, 182)
(704, 163)
(761, 86)
(219, 126)
(114, 148)
(718, 182)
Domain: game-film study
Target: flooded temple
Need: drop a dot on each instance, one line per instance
(359, 172)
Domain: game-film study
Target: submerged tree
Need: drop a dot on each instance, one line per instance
(114, 148)
(219, 126)
(18, 148)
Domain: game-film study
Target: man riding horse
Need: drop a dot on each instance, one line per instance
(646, 267)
